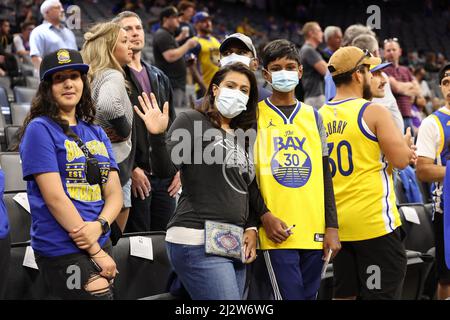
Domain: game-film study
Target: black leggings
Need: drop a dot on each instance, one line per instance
(66, 276)
(5, 254)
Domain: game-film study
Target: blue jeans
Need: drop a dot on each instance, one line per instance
(207, 277)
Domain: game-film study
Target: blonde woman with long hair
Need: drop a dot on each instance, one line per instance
(106, 49)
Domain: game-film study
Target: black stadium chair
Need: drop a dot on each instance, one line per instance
(399, 191)
(24, 283)
(19, 219)
(141, 278)
(419, 238)
(418, 268)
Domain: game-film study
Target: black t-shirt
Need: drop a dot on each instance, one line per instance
(163, 40)
(223, 190)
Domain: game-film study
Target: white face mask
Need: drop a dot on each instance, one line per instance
(233, 58)
(231, 102)
(284, 81)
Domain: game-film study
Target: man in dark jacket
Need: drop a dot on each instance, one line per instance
(153, 201)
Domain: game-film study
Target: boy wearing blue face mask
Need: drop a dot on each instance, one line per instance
(293, 175)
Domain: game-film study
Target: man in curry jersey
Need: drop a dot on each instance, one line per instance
(433, 150)
(294, 179)
(207, 51)
(364, 147)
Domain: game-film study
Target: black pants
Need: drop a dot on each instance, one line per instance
(154, 212)
(66, 276)
(371, 269)
(5, 255)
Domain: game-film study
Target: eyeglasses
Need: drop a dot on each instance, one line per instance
(391, 40)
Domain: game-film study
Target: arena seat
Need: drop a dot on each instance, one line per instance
(141, 278)
(19, 219)
(399, 191)
(4, 109)
(32, 82)
(419, 237)
(23, 94)
(11, 136)
(12, 167)
(19, 111)
(24, 283)
(4, 102)
(418, 269)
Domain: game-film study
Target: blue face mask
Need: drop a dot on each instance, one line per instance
(284, 81)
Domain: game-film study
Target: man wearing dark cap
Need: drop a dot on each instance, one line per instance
(207, 51)
(169, 56)
(364, 147)
(433, 151)
(238, 47)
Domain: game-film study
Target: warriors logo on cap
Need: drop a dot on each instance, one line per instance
(63, 56)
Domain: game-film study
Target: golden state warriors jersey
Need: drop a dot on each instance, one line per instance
(208, 58)
(362, 178)
(289, 171)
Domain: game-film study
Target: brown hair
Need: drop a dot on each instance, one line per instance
(183, 5)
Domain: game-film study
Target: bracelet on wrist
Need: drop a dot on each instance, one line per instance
(93, 255)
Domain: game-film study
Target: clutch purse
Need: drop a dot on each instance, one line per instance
(224, 239)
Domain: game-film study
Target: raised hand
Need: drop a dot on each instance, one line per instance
(155, 120)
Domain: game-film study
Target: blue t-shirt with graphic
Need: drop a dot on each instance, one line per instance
(4, 226)
(45, 148)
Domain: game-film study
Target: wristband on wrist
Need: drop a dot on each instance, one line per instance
(93, 255)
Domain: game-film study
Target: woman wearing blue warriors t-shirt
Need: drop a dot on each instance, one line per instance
(73, 186)
(4, 240)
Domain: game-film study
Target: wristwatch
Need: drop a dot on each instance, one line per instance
(105, 226)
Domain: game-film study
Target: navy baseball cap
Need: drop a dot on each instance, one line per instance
(63, 59)
(380, 66)
(200, 17)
